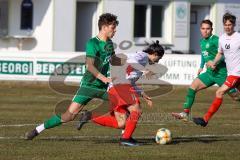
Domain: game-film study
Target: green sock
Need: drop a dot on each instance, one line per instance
(233, 90)
(53, 122)
(189, 99)
(236, 94)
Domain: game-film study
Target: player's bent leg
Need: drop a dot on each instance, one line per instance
(216, 103)
(222, 90)
(115, 119)
(107, 120)
(72, 112)
(214, 106)
(196, 86)
(231, 82)
(131, 122)
(121, 119)
(55, 120)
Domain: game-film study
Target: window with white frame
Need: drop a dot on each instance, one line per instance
(149, 20)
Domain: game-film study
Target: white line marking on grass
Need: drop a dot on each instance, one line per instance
(16, 125)
(210, 136)
(117, 137)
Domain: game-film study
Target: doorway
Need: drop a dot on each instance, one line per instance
(198, 13)
(85, 18)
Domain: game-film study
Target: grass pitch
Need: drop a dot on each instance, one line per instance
(24, 105)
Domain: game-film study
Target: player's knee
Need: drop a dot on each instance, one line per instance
(219, 93)
(121, 124)
(137, 111)
(135, 107)
(193, 86)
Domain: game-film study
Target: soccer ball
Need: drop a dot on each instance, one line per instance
(163, 136)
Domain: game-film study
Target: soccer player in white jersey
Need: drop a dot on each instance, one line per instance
(229, 46)
(125, 108)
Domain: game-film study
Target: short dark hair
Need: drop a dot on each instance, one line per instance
(107, 19)
(155, 48)
(230, 17)
(207, 21)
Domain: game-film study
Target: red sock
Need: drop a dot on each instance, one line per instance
(131, 124)
(106, 120)
(213, 108)
(186, 110)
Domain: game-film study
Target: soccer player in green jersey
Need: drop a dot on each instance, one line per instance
(94, 82)
(209, 49)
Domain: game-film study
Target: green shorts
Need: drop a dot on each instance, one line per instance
(86, 93)
(209, 79)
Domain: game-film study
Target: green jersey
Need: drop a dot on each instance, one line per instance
(101, 52)
(209, 49)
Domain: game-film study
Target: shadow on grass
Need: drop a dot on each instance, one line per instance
(205, 139)
(97, 140)
(143, 140)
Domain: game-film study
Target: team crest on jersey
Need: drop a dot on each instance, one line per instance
(207, 45)
(205, 53)
(227, 46)
(106, 60)
(109, 48)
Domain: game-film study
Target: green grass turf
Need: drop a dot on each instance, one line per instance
(25, 103)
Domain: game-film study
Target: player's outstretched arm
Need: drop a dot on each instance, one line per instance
(217, 58)
(92, 69)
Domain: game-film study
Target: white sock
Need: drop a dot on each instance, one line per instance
(40, 128)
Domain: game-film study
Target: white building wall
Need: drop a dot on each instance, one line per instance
(124, 9)
(224, 6)
(64, 25)
(55, 21)
(181, 27)
(41, 38)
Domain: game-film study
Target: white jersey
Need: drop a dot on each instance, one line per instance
(131, 71)
(230, 47)
(136, 64)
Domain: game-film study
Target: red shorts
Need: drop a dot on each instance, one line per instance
(232, 81)
(121, 96)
